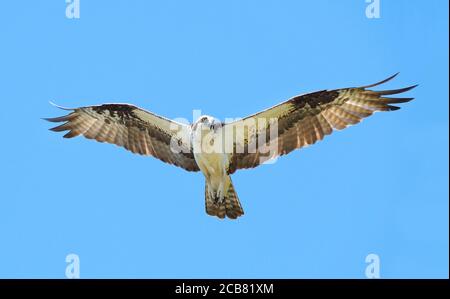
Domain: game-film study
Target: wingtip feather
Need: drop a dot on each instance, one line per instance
(60, 107)
(396, 91)
(382, 81)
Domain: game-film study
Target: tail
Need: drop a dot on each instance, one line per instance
(230, 205)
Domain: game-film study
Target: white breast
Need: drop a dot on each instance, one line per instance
(209, 155)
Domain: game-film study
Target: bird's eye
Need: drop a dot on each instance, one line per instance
(203, 119)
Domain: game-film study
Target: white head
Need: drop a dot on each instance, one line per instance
(206, 122)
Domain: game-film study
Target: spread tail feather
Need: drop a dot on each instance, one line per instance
(230, 205)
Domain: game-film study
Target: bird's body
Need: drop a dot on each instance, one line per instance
(219, 149)
(213, 161)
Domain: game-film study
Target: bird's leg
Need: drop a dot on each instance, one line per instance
(212, 194)
(220, 194)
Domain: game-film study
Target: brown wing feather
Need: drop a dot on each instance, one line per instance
(135, 129)
(305, 119)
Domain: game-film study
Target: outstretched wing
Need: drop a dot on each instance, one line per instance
(305, 119)
(133, 128)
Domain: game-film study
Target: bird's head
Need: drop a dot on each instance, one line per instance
(206, 122)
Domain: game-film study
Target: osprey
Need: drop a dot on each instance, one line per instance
(218, 149)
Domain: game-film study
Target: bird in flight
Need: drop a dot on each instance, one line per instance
(219, 149)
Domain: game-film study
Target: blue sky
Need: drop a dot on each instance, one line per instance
(379, 187)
